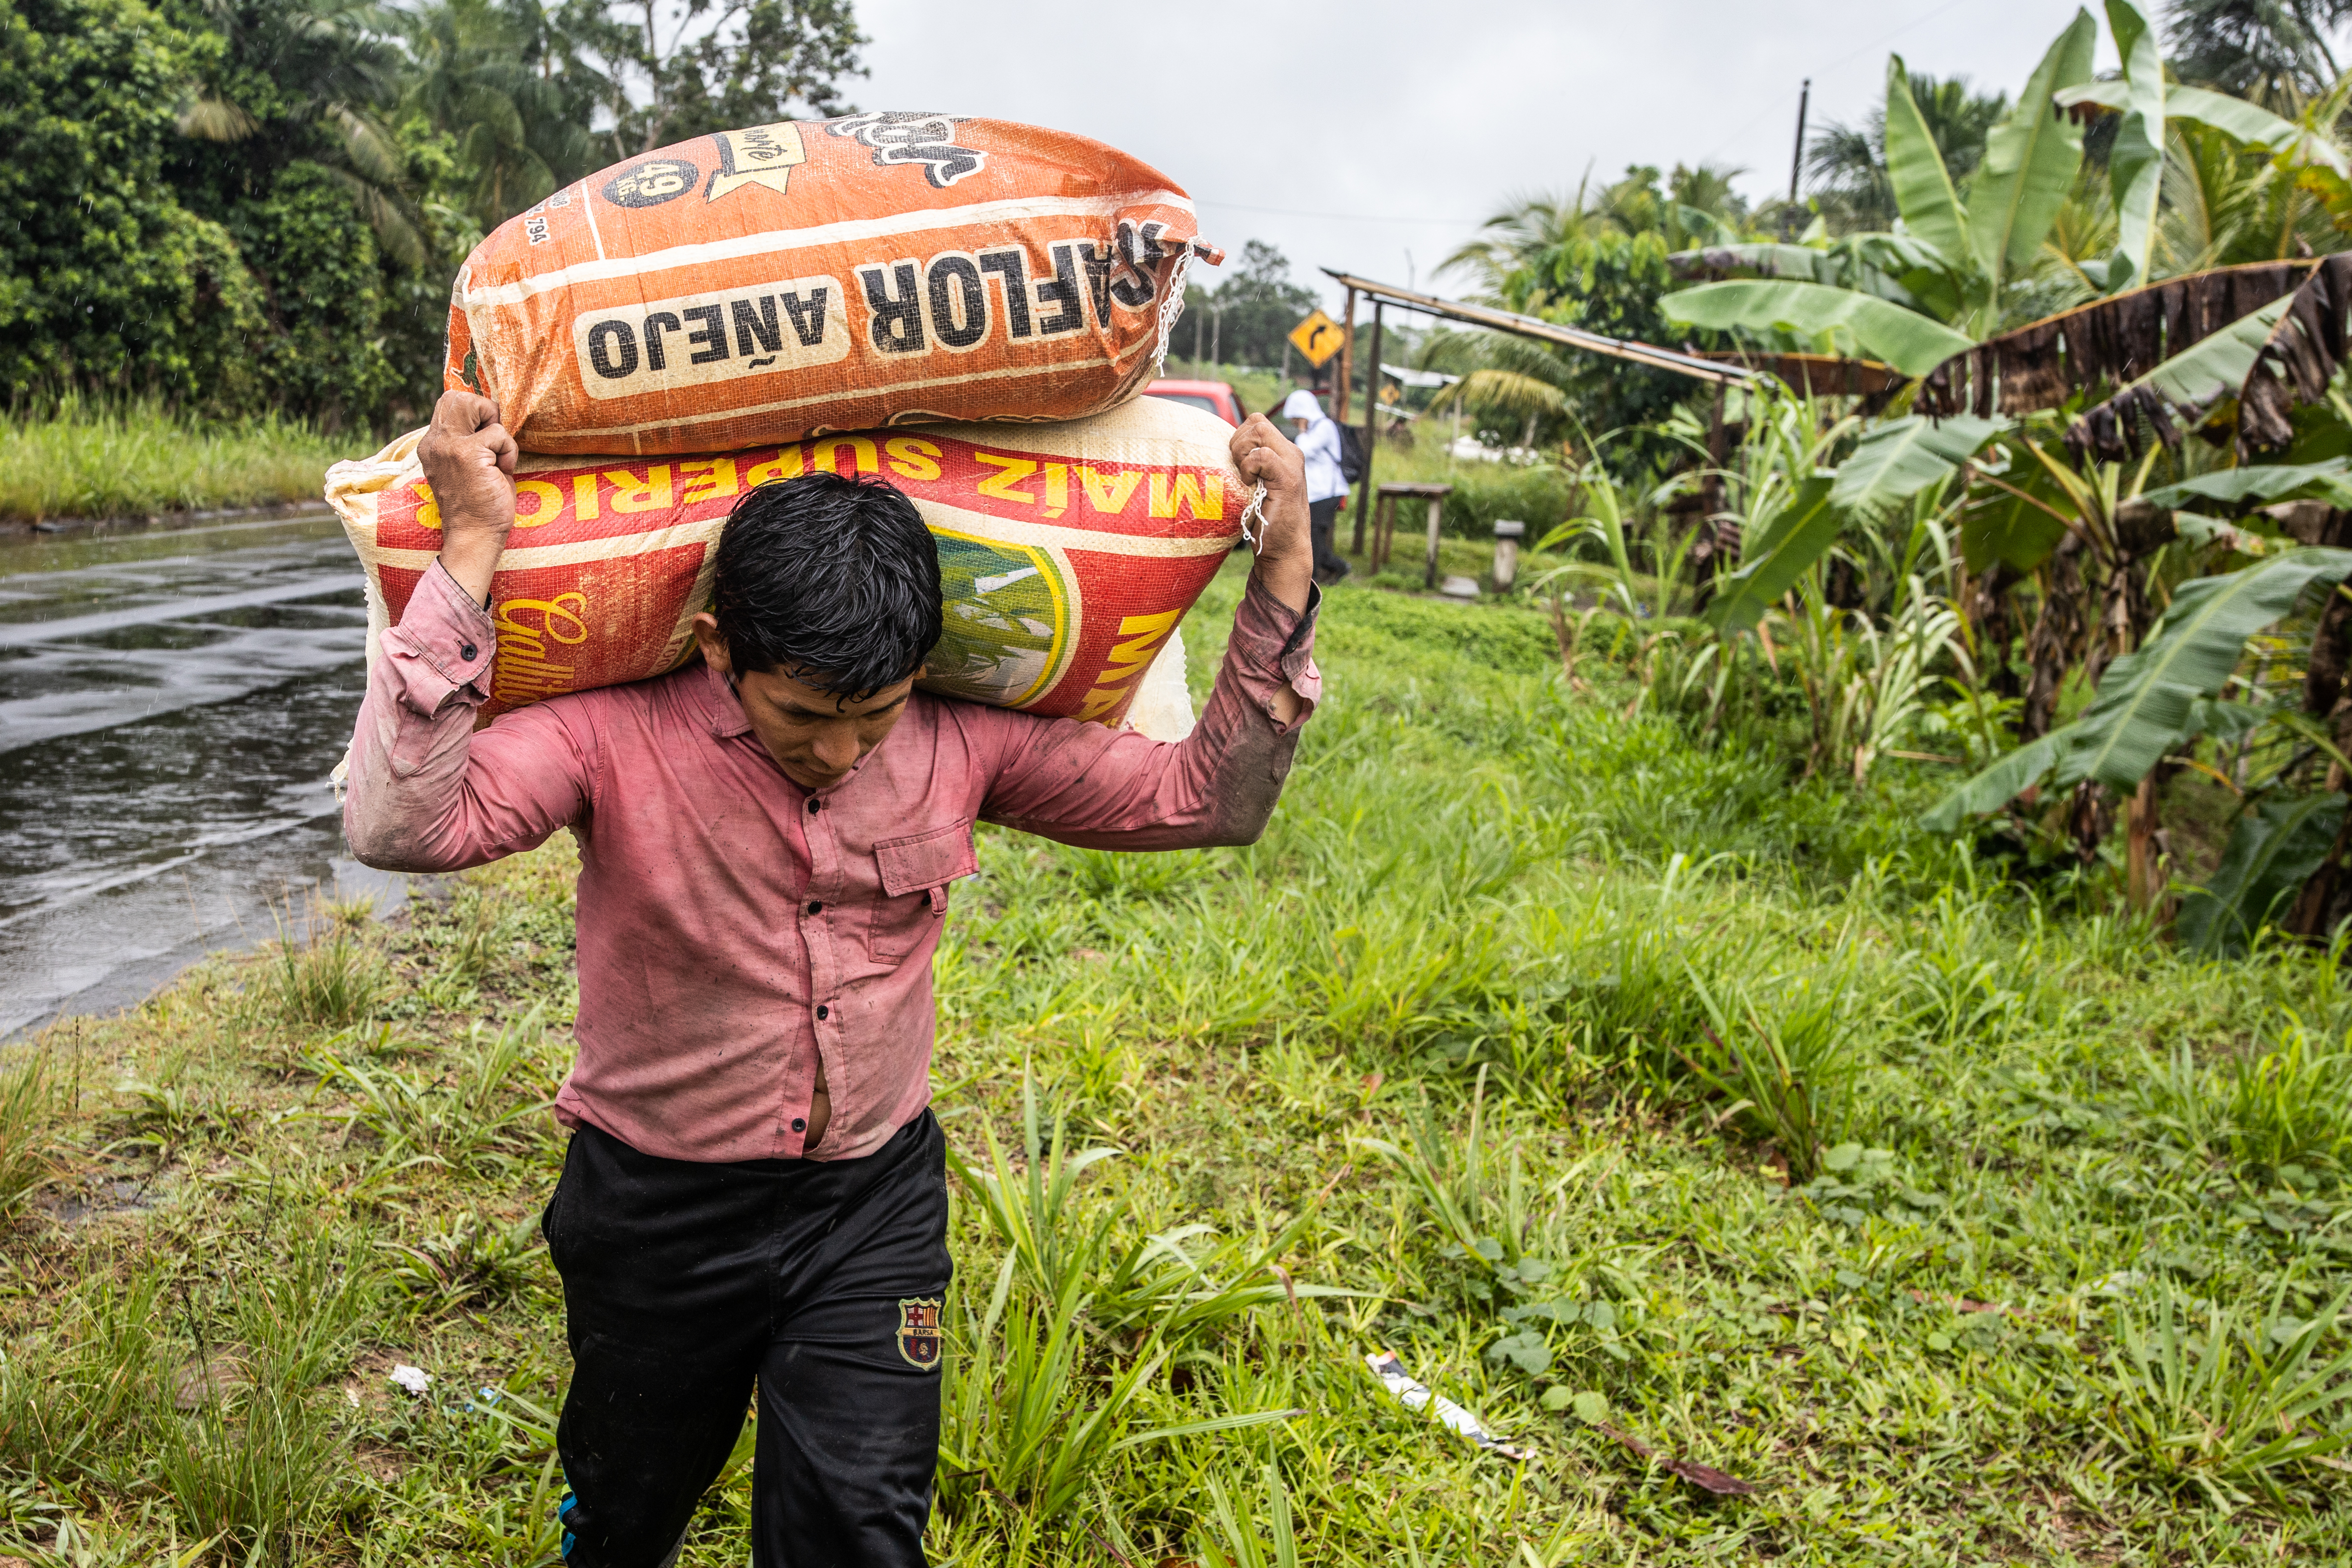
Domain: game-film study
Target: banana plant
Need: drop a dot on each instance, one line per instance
(1916, 299)
(1959, 253)
(2148, 699)
(1891, 466)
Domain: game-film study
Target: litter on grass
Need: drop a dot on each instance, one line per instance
(414, 1379)
(1706, 1477)
(1417, 1396)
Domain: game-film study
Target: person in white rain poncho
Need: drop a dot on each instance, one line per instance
(1327, 479)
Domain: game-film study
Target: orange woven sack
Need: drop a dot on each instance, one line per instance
(1068, 552)
(756, 286)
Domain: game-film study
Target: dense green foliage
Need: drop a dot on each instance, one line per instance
(104, 274)
(2029, 1234)
(246, 206)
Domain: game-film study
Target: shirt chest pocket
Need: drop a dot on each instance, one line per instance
(916, 871)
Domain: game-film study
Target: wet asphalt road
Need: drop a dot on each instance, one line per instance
(170, 704)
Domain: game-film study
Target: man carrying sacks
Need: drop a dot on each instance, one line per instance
(755, 1187)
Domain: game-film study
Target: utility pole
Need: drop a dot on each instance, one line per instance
(1797, 160)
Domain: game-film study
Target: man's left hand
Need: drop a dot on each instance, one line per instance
(1285, 558)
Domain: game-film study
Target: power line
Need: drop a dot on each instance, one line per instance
(1734, 132)
(1342, 218)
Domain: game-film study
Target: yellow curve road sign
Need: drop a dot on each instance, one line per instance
(1318, 337)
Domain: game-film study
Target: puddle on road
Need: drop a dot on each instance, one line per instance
(170, 704)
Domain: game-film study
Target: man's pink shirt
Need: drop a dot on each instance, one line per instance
(735, 929)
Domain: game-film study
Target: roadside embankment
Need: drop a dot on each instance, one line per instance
(79, 460)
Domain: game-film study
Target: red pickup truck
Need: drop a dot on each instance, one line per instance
(1215, 396)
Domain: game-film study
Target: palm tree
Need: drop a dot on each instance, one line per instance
(2272, 52)
(1594, 258)
(306, 79)
(486, 71)
(1848, 164)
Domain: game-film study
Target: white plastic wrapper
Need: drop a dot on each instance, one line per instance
(1417, 1395)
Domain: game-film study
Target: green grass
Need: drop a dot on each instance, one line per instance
(1457, 1054)
(83, 459)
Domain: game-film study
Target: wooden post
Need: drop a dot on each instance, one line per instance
(1347, 388)
(2142, 882)
(1436, 515)
(1371, 381)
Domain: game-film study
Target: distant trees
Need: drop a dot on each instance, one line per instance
(233, 203)
(1244, 320)
(662, 72)
(1596, 259)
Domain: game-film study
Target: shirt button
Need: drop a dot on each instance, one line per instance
(467, 653)
(824, 1012)
(815, 804)
(798, 1125)
(817, 908)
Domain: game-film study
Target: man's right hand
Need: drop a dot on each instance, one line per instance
(469, 462)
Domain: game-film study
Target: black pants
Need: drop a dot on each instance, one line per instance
(684, 1283)
(1322, 524)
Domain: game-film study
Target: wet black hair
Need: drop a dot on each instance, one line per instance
(834, 580)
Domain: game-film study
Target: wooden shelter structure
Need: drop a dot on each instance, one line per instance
(1804, 373)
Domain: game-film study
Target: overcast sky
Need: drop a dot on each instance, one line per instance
(1351, 134)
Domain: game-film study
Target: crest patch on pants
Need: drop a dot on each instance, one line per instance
(918, 1331)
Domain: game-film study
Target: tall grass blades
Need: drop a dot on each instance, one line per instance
(2292, 1107)
(83, 458)
(2240, 1403)
(28, 1126)
(1789, 1073)
(258, 1469)
(2281, 1112)
(258, 1460)
(1229, 1537)
(88, 1383)
(1485, 1226)
(470, 1116)
(1028, 1417)
(326, 971)
(1035, 1402)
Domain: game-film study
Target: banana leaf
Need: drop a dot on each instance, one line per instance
(2212, 367)
(2233, 116)
(1886, 264)
(2261, 482)
(2136, 160)
(1812, 263)
(2145, 697)
(1996, 787)
(2000, 527)
(2271, 853)
(1902, 457)
(2029, 160)
(1923, 187)
(1909, 342)
(1798, 536)
(2149, 699)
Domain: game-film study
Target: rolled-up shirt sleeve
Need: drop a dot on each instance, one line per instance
(428, 793)
(1081, 784)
